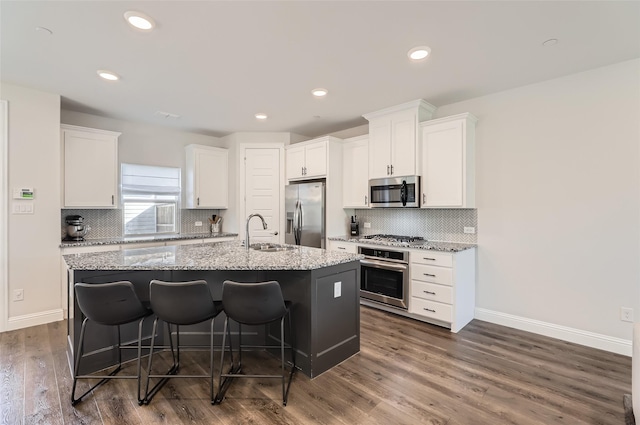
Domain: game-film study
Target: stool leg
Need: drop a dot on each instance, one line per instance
(140, 399)
(284, 394)
(213, 399)
(119, 347)
(77, 365)
(153, 340)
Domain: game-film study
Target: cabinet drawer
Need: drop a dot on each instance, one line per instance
(344, 247)
(433, 258)
(432, 291)
(435, 310)
(434, 274)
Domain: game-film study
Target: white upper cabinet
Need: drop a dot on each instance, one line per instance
(355, 174)
(90, 167)
(448, 162)
(393, 137)
(307, 160)
(207, 175)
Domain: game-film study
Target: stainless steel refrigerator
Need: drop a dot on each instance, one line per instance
(304, 208)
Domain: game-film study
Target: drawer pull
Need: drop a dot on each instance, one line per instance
(341, 247)
(429, 292)
(430, 259)
(428, 309)
(427, 274)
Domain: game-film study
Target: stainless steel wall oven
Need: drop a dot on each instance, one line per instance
(384, 276)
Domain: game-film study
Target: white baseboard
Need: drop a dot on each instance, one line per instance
(34, 319)
(590, 339)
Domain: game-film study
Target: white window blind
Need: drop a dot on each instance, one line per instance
(150, 199)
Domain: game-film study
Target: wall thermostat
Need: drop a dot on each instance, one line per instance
(24, 193)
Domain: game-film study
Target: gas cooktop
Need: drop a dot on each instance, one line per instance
(392, 238)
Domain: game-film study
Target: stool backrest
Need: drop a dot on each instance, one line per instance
(253, 303)
(182, 303)
(109, 304)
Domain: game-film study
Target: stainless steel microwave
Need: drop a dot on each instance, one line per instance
(395, 192)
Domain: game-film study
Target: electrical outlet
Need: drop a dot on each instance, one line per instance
(470, 230)
(626, 314)
(18, 294)
(337, 289)
(367, 225)
(198, 223)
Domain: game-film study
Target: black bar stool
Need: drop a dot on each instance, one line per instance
(110, 304)
(180, 303)
(255, 304)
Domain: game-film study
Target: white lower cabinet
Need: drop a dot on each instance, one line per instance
(443, 287)
(343, 247)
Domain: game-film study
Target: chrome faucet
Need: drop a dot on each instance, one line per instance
(246, 236)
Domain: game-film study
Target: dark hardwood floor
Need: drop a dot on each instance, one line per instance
(407, 372)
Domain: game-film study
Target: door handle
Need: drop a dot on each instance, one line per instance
(392, 170)
(424, 198)
(112, 199)
(198, 200)
(365, 200)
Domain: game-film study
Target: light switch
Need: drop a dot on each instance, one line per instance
(337, 289)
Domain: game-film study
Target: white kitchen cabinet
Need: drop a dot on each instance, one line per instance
(207, 173)
(90, 167)
(342, 246)
(443, 287)
(307, 160)
(355, 174)
(393, 136)
(447, 166)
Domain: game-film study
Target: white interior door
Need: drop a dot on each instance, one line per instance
(263, 192)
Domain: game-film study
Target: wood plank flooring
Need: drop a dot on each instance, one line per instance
(407, 372)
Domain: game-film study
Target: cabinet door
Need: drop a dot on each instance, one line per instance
(403, 145)
(379, 148)
(90, 169)
(315, 160)
(295, 162)
(355, 174)
(211, 178)
(442, 165)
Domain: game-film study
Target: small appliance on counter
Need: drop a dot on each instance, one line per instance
(76, 229)
(355, 226)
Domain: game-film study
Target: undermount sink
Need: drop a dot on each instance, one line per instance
(270, 247)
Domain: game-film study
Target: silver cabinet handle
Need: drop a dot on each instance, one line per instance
(430, 259)
(366, 199)
(392, 170)
(429, 292)
(387, 170)
(198, 200)
(430, 275)
(113, 199)
(428, 309)
(341, 247)
(424, 198)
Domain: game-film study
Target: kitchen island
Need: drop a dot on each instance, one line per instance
(322, 285)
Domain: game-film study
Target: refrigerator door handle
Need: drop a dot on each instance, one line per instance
(299, 223)
(296, 238)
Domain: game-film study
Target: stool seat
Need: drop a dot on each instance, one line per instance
(258, 303)
(109, 304)
(180, 304)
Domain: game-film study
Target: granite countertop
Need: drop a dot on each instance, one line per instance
(427, 245)
(139, 239)
(209, 256)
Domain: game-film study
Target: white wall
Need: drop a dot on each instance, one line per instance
(558, 191)
(33, 240)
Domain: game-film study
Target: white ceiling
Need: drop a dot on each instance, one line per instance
(216, 64)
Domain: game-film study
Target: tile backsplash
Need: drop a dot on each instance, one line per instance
(432, 224)
(109, 224)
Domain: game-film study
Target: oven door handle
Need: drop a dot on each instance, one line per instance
(384, 265)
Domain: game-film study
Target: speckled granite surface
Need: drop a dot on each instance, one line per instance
(208, 256)
(428, 245)
(138, 239)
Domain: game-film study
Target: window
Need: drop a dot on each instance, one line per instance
(150, 199)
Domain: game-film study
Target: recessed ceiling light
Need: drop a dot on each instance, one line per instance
(108, 75)
(139, 20)
(419, 53)
(319, 92)
(261, 116)
(550, 42)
